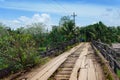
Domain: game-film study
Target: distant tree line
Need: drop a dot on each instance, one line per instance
(100, 31)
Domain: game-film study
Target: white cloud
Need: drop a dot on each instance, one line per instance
(44, 18)
(111, 17)
(15, 21)
(87, 13)
(24, 20)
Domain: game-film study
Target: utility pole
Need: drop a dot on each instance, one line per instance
(74, 15)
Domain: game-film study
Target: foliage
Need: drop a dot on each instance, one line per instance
(18, 49)
(99, 31)
(64, 32)
(55, 36)
(118, 73)
(3, 30)
(37, 30)
(67, 27)
(22, 47)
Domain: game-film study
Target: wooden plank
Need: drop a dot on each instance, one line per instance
(99, 73)
(91, 71)
(83, 74)
(96, 72)
(47, 71)
(78, 64)
(83, 62)
(75, 69)
(51, 71)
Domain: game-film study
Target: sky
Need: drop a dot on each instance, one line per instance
(17, 13)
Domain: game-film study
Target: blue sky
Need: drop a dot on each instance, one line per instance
(17, 13)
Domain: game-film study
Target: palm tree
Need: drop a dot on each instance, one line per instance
(67, 27)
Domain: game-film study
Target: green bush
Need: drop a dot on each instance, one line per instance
(18, 50)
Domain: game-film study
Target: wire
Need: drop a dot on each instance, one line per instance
(61, 6)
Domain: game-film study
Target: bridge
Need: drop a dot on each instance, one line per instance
(86, 61)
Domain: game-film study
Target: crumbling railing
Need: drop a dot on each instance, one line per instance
(109, 54)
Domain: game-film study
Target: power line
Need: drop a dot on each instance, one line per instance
(65, 10)
(74, 15)
(61, 6)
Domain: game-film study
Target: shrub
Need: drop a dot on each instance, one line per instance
(18, 50)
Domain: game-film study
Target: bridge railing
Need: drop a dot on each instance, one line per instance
(109, 54)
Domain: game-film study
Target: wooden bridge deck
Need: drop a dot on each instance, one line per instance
(79, 63)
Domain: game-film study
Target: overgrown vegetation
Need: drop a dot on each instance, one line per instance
(107, 74)
(118, 73)
(99, 31)
(18, 50)
(21, 48)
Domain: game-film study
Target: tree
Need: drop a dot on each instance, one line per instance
(67, 27)
(37, 30)
(18, 50)
(100, 31)
(3, 30)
